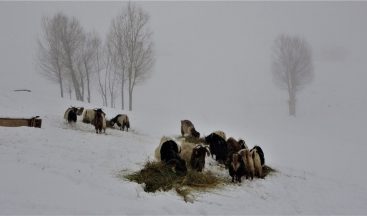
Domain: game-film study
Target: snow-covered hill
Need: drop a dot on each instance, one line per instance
(63, 169)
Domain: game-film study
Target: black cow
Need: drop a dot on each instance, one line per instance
(170, 155)
(72, 115)
(218, 147)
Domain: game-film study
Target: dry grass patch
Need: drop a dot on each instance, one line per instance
(157, 176)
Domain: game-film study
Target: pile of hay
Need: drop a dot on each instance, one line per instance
(157, 176)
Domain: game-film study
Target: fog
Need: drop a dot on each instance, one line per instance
(209, 55)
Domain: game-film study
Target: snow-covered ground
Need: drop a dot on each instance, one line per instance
(64, 169)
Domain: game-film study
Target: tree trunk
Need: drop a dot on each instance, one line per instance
(111, 95)
(82, 86)
(105, 89)
(69, 92)
(292, 104)
(122, 91)
(74, 79)
(61, 87)
(60, 80)
(76, 87)
(130, 100)
(88, 82)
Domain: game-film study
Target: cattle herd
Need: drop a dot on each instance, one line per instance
(233, 154)
(97, 118)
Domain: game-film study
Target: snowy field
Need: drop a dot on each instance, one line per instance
(64, 169)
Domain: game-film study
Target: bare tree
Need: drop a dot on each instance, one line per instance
(138, 45)
(103, 66)
(112, 83)
(50, 52)
(88, 60)
(72, 37)
(132, 43)
(116, 49)
(67, 55)
(108, 76)
(292, 66)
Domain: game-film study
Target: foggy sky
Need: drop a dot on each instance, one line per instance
(204, 50)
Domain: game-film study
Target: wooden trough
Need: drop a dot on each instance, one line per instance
(18, 122)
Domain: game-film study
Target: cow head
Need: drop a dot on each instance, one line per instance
(80, 111)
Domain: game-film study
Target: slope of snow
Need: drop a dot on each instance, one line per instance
(68, 169)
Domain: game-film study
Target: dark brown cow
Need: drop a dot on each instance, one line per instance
(197, 160)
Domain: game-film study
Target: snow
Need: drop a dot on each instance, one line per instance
(68, 169)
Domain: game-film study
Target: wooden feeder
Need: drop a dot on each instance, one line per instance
(18, 122)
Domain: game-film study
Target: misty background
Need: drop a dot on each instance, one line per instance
(210, 55)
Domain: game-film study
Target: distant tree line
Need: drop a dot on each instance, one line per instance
(79, 61)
